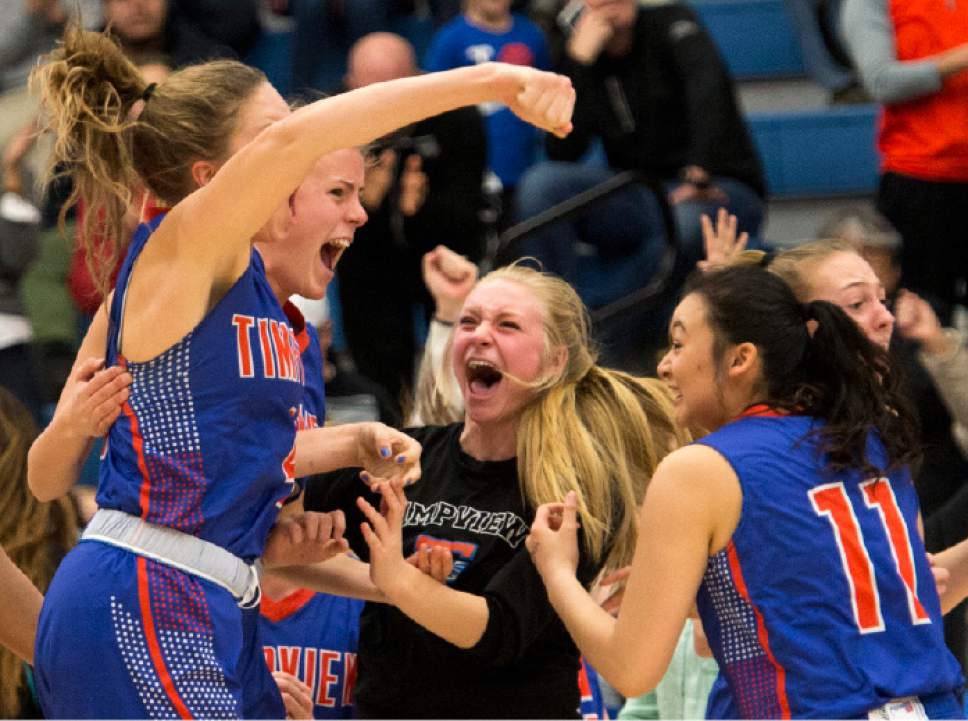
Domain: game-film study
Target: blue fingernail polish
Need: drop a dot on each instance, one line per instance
(385, 452)
(401, 459)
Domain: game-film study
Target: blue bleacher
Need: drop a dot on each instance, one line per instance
(755, 37)
(817, 153)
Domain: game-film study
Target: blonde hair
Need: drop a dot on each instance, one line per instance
(35, 535)
(90, 91)
(797, 265)
(589, 429)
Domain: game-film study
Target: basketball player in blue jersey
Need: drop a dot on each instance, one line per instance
(793, 525)
(153, 608)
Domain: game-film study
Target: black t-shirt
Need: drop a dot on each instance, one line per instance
(668, 103)
(525, 665)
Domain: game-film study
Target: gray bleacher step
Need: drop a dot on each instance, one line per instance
(791, 94)
(790, 222)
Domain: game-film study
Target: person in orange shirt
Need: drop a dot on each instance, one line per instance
(912, 57)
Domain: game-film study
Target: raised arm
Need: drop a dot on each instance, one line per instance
(869, 34)
(458, 617)
(450, 278)
(223, 215)
(944, 355)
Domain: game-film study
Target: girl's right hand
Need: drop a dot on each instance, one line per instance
(449, 278)
(916, 320)
(304, 539)
(297, 697)
(92, 399)
(553, 541)
(546, 100)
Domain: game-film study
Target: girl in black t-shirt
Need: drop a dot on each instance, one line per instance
(540, 418)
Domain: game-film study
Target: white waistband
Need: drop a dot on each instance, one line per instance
(180, 550)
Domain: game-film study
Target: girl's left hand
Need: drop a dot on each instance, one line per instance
(384, 535)
(553, 541)
(721, 242)
(387, 453)
(434, 560)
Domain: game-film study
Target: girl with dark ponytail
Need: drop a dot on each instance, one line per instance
(793, 525)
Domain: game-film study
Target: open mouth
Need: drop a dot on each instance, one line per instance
(332, 250)
(482, 376)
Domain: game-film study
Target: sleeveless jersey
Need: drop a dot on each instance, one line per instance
(823, 603)
(314, 637)
(204, 443)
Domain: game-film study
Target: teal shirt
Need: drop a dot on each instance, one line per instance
(683, 691)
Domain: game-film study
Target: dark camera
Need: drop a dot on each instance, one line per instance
(569, 15)
(426, 146)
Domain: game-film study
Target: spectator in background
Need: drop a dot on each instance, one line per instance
(817, 24)
(487, 31)
(424, 190)
(36, 535)
(19, 228)
(28, 29)
(146, 29)
(324, 30)
(912, 57)
(232, 23)
(444, 11)
(651, 85)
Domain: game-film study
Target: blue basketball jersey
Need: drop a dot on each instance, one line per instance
(314, 637)
(591, 705)
(204, 444)
(312, 409)
(823, 603)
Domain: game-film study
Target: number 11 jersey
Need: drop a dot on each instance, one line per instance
(823, 603)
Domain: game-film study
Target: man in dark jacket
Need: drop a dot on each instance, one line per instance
(653, 89)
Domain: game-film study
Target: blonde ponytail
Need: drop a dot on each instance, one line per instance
(603, 437)
(88, 89)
